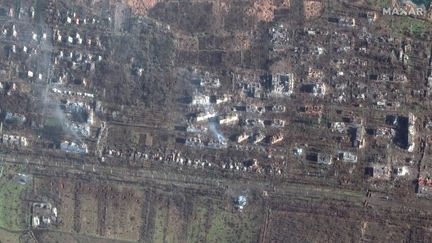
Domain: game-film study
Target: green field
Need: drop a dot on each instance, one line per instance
(160, 221)
(233, 226)
(221, 223)
(384, 3)
(419, 2)
(401, 25)
(388, 3)
(209, 221)
(10, 204)
(196, 230)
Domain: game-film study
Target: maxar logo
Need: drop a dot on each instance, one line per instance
(402, 11)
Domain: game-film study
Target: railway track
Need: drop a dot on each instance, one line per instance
(286, 188)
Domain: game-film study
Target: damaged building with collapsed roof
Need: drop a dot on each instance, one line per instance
(282, 84)
(424, 186)
(228, 119)
(402, 171)
(194, 141)
(200, 100)
(217, 144)
(221, 99)
(318, 89)
(378, 171)
(324, 158)
(43, 215)
(204, 116)
(14, 140)
(242, 137)
(72, 147)
(339, 127)
(405, 135)
(196, 128)
(276, 138)
(14, 118)
(358, 137)
(206, 79)
(258, 137)
(347, 157)
(411, 132)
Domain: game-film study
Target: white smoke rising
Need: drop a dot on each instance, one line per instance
(50, 106)
(213, 125)
(214, 129)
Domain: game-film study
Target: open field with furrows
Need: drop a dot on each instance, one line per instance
(123, 214)
(232, 226)
(110, 211)
(94, 209)
(56, 236)
(150, 213)
(170, 221)
(88, 214)
(205, 220)
(303, 227)
(67, 203)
